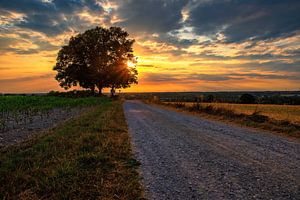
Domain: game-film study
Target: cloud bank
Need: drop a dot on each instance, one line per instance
(175, 39)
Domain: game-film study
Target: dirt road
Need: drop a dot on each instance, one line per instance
(187, 157)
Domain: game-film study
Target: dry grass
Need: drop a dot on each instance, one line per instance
(278, 112)
(269, 117)
(86, 158)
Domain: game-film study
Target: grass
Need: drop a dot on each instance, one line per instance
(17, 103)
(88, 157)
(257, 116)
(278, 112)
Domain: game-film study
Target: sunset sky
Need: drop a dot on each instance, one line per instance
(181, 45)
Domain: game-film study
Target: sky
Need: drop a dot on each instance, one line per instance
(181, 45)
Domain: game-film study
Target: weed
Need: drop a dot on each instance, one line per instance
(179, 105)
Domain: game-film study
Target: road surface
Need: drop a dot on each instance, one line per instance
(187, 157)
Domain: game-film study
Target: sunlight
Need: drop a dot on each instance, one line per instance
(130, 64)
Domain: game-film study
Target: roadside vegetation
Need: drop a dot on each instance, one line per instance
(88, 157)
(278, 112)
(277, 118)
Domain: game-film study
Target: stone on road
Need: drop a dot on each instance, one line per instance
(188, 157)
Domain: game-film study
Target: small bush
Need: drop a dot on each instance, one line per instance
(73, 94)
(196, 107)
(226, 112)
(257, 117)
(247, 99)
(210, 98)
(179, 105)
(209, 109)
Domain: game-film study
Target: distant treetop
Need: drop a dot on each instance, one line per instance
(247, 99)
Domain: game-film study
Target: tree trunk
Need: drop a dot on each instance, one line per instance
(112, 91)
(93, 89)
(99, 89)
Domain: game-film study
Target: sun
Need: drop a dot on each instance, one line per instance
(130, 64)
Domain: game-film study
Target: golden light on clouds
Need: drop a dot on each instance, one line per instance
(181, 46)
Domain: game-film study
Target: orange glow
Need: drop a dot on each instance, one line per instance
(158, 69)
(130, 64)
(179, 52)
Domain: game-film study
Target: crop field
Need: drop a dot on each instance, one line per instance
(25, 109)
(18, 103)
(279, 112)
(88, 157)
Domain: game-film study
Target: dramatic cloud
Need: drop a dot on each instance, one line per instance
(246, 19)
(230, 43)
(194, 78)
(151, 16)
(51, 17)
(25, 79)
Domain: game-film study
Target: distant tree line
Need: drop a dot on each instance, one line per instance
(73, 93)
(252, 99)
(288, 97)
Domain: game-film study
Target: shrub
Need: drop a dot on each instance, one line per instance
(73, 93)
(210, 98)
(247, 99)
(179, 105)
(209, 109)
(196, 107)
(257, 117)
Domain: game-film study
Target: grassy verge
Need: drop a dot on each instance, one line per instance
(278, 112)
(86, 158)
(255, 119)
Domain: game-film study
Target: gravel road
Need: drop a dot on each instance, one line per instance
(187, 157)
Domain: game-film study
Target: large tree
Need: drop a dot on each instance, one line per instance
(98, 58)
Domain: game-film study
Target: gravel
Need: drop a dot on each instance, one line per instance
(17, 132)
(188, 157)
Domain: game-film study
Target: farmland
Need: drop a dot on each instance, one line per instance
(22, 116)
(22, 110)
(86, 152)
(262, 97)
(22, 103)
(278, 112)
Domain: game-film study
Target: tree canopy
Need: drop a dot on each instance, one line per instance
(247, 99)
(98, 58)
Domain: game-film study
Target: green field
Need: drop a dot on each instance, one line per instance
(24, 109)
(17, 103)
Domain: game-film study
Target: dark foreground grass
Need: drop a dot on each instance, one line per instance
(256, 119)
(86, 158)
